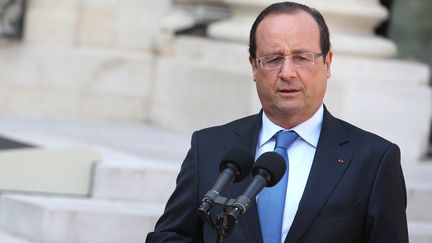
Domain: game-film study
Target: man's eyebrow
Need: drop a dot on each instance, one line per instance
(274, 53)
(301, 50)
(281, 53)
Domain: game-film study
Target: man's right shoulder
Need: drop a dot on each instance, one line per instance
(237, 125)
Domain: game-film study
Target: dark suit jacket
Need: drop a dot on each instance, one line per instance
(355, 191)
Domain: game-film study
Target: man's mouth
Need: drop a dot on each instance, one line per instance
(288, 91)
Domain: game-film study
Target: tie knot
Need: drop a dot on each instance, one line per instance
(285, 138)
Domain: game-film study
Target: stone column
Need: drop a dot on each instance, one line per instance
(351, 23)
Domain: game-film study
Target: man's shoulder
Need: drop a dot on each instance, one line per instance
(362, 135)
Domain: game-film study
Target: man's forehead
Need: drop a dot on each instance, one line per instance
(289, 18)
(298, 30)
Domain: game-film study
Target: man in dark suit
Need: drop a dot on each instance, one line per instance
(345, 184)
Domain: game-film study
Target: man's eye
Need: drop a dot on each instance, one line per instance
(302, 58)
(275, 59)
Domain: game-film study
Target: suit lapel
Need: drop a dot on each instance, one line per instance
(249, 222)
(329, 164)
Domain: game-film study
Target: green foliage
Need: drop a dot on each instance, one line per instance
(411, 29)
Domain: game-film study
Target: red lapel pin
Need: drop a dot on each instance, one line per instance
(341, 161)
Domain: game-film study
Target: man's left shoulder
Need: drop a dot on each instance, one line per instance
(362, 136)
(355, 134)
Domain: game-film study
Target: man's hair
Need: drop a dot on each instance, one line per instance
(291, 8)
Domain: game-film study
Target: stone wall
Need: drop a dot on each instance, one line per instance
(82, 58)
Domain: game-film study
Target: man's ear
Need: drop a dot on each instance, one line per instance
(328, 62)
(254, 66)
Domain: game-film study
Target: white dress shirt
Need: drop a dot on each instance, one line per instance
(300, 154)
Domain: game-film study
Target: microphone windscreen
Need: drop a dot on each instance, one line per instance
(272, 163)
(241, 159)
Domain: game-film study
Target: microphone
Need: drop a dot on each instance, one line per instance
(268, 170)
(235, 166)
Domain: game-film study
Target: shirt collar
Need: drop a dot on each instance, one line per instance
(309, 130)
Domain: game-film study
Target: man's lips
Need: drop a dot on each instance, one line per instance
(288, 91)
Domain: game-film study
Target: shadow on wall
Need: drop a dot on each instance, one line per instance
(12, 18)
(6, 143)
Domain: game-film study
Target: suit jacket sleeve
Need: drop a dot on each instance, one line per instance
(179, 222)
(386, 217)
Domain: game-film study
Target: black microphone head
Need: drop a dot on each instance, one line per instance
(272, 165)
(239, 160)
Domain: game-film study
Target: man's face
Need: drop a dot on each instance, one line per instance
(291, 94)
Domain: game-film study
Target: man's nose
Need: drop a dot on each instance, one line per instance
(288, 70)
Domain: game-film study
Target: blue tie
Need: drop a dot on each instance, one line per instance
(271, 200)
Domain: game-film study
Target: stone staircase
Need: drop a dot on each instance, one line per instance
(130, 186)
(419, 191)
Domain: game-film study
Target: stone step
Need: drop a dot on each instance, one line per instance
(134, 156)
(37, 219)
(419, 191)
(138, 179)
(114, 180)
(420, 232)
(45, 219)
(6, 237)
(419, 202)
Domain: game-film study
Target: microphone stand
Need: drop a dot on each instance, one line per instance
(264, 175)
(220, 228)
(221, 225)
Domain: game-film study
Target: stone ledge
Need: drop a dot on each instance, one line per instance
(62, 171)
(6, 237)
(140, 182)
(420, 232)
(78, 220)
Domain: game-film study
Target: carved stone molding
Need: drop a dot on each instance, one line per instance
(351, 23)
